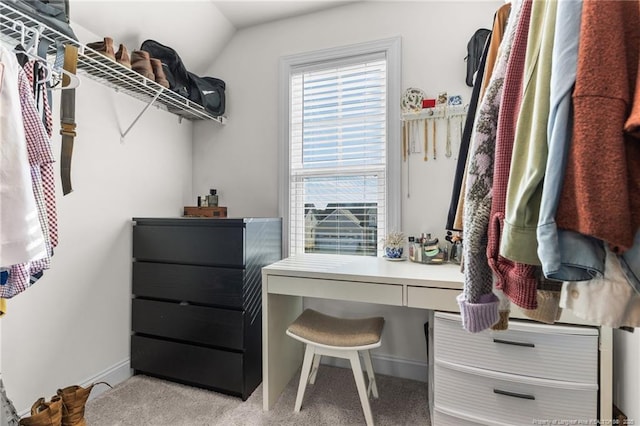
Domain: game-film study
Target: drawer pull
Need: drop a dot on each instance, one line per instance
(507, 342)
(513, 394)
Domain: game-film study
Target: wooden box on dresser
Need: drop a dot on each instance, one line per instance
(532, 373)
(196, 315)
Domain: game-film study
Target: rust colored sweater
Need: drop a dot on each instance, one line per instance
(601, 192)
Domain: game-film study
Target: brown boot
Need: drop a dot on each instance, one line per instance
(104, 47)
(122, 56)
(74, 399)
(141, 63)
(161, 78)
(44, 413)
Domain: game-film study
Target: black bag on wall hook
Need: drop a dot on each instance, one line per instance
(475, 46)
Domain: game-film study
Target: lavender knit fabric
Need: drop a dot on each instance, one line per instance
(478, 303)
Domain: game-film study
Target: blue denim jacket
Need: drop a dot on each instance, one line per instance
(630, 262)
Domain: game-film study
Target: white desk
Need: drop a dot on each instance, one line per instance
(370, 280)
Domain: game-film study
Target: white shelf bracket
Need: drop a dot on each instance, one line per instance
(155, 98)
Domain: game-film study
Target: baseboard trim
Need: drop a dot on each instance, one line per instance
(389, 365)
(113, 375)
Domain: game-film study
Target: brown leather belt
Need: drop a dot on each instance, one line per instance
(68, 118)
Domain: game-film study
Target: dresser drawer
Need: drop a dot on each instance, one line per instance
(194, 245)
(498, 398)
(207, 367)
(441, 418)
(196, 324)
(529, 349)
(205, 285)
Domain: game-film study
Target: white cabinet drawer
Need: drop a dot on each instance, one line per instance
(495, 398)
(440, 418)
(529, 349)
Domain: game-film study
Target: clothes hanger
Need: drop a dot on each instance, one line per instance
(53, 76)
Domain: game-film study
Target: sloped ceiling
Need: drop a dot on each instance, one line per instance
(197, 29)
(244, 14)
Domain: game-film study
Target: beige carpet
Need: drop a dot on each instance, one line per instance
(332, 400)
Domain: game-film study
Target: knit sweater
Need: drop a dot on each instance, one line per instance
(601, 190)
(479, 305)
(518, 281)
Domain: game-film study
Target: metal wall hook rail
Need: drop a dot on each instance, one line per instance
(97, 67)
(437, 112)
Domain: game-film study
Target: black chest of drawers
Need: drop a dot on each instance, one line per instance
(196, 315)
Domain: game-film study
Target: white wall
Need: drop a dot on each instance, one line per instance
(626, 372)
(74, 323)
(241, 158)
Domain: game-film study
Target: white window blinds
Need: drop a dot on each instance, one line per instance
(337, 155)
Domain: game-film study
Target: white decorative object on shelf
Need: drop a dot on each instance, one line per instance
(393, 245)
(412, 100)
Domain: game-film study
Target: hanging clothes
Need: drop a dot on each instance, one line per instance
(48, 173)
(478, 303)
(22, 275)
(529, 158)
(21, 236)
(464, 144)
(558, 262)
(601, 191)
(608, 300)
(36, 149)
(498, 31)
(517, 281)
(493, 44)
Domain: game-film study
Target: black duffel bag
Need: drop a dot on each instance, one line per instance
(53, 13)
(208, 92)
(172, 65)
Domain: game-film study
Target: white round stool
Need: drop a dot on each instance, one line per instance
(341, 338)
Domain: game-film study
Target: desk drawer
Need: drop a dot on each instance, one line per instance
(196, 324)
(194, 245)
(211, 368)
(440, 299)
(202, 284)
(498, 398)
(388, 294)
(528, 349)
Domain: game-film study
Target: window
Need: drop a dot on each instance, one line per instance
(340, 119)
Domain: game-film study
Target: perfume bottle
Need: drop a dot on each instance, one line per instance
(412, 249)
(212, 198)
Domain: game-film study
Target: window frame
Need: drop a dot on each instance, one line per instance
(391, 47)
